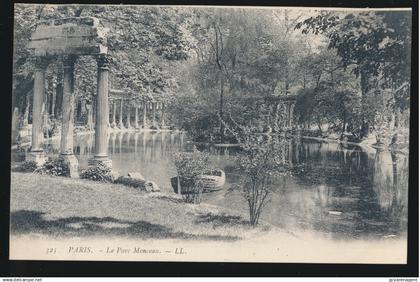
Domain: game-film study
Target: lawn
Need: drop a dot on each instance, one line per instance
(58, 206)
(61, 214)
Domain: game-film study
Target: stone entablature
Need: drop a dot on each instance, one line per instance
(75, 36)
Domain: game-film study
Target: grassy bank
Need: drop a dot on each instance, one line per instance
(57, 206)
(62, 213)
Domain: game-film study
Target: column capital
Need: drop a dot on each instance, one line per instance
(41, 63)
(103, 61)
(69, 60)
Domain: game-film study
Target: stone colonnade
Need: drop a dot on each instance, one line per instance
(68, 38)
(279, 113)
(66, 144)
(118, 106)
(288, 110)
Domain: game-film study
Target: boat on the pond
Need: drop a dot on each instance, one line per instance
(212, 181)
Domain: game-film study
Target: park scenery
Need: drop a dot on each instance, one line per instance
(210, 133)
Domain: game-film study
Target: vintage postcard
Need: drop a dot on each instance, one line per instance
(210, 134)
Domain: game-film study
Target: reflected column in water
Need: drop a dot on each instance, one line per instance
(135, 141)
(89, 143)
(120, 139)
(113, 137)
(172, 139)
(290, 151)
(152, 151)
(127, 140)
(297, 151)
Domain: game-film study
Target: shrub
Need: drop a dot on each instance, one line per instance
(27, 166)
(190, 166)
(132, 182)
(98, 172)
(261, 160)
(54, 167)
(153, 127)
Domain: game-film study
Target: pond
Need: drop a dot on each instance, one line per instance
(334, 191)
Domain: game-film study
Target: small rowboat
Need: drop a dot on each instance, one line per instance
(212, 181)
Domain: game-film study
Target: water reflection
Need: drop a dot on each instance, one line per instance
(338, 191)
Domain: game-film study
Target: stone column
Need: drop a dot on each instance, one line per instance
(292, 108)
(58, 95)
(26, 113)
(144, 114)
(89, 117)
(45, 120)
(102, 113)
(66, 143)
(136, 117)
(163, 115)
(154, 114)
(53, 98)
(128, 116)
(114, 113)
(121, 124)
(94, 109)
(107, 118)
(36, 154)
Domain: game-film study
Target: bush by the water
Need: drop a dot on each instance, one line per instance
(262, 159)
(132, 182)
(153, 127)
(191, 166)
(27, 166)
(98, 172)
(54, 167)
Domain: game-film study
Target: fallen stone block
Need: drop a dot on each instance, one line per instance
(136, 175)
(151, 186)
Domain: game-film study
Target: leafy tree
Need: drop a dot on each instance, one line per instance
(140, 40)
(377, 44)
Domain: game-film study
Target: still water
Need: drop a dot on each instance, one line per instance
(334, 191)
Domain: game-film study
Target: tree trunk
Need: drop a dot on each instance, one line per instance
(319, 124)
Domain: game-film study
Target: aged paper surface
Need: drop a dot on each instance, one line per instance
(340, 197)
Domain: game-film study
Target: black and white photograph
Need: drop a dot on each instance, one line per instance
(210, 133)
